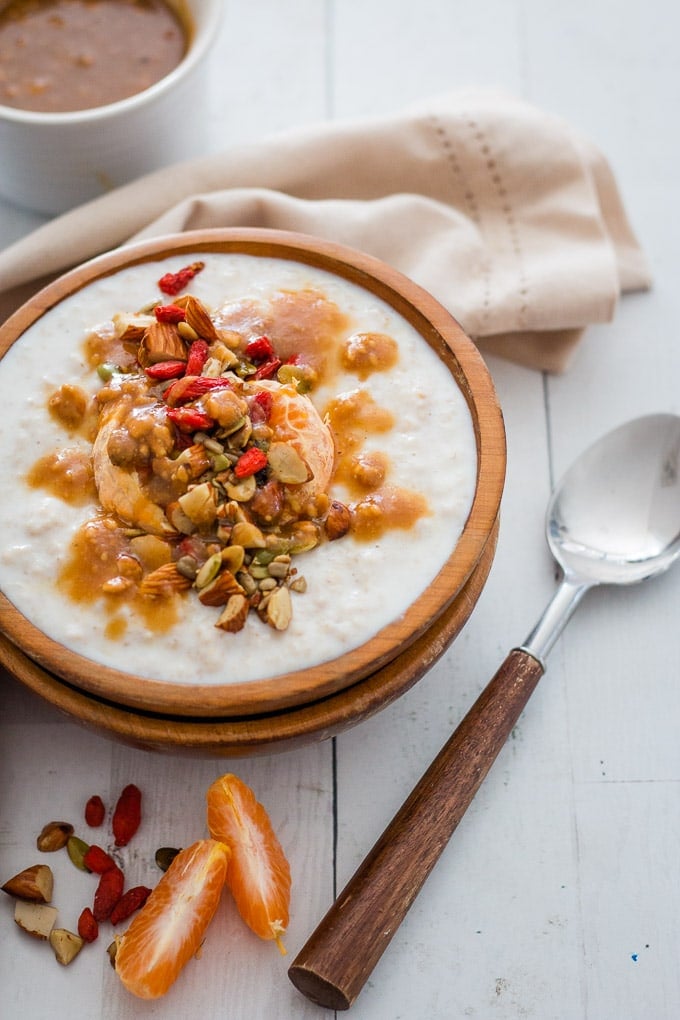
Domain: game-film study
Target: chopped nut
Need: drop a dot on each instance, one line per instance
(161, 342)
(287, 465)
(338, 520)
(219, 591)
(198, 317)
(66, 944)
(54, 836)
(279, 610)
(233, 557)
(151, 551)
(196, 459)
(131, 327)
(164, 581)
(199, 504)
(34, 884)
(247, 535)
(35, 918)
(233, 616)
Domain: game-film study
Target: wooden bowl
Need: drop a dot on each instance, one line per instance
(246, 736)
(458, 356)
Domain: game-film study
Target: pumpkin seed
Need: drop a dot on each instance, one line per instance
(209, 570)
(76, 849)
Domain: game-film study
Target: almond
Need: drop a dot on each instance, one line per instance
(164, 581)
(218, 592)
(161, 342)
(234, 614)
(198, 318)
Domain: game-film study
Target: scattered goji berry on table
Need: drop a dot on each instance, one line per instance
(173, 283)
(169, 313)
(88, 927)
(98, 860)
(189, 419)
(259, 349)
(107, 893)
(127, 814)
(163, 370)
(95, 812)
(250, 462)
(130, 901)
(198, 355)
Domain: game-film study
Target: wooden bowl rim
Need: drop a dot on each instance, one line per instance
(458, 353)
(264, 734)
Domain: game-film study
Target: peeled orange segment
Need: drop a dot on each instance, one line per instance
(295, 420)
(170, 927)
(259, 874)
(120, 490)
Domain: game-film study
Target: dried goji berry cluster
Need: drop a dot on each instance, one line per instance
(110, 902)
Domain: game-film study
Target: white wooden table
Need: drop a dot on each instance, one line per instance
(559, 896)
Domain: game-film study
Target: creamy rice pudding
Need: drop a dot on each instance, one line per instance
(246, 470)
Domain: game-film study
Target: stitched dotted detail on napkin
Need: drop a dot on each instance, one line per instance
(508, 213)
(471, 208)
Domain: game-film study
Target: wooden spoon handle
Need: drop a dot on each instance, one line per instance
(334, 964)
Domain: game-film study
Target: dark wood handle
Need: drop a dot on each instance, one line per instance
(334, 964)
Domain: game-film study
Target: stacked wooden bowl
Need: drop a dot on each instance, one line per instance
(303, 704)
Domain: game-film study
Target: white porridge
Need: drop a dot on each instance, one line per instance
(357, 528)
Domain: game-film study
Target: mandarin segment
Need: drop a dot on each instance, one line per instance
(170, 927)
(259, 873)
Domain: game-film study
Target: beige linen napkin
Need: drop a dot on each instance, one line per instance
(503, 212)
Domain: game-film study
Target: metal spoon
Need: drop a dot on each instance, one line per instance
(613, 519)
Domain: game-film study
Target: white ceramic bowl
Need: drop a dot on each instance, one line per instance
(54, 161)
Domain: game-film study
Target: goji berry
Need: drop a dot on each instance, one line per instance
(198, 355)
(95, 812)
(189, 419)
(169, 313)
(88, 927)
(261, 406)
(268, 369)
(163, 370)
(173, 283)
(98, 860)
(127, 814)
(250, 462)
(260, 349)
(130, 901)
(107, 893)
(191, 387)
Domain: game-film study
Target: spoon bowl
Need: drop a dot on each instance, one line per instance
(615, 516)
(613, 519)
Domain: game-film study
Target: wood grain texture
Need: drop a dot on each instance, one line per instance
(337, 960)
(265, 734)
(458, 355)
(558, 897)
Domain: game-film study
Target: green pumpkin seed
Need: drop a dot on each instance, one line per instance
(76, 849)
